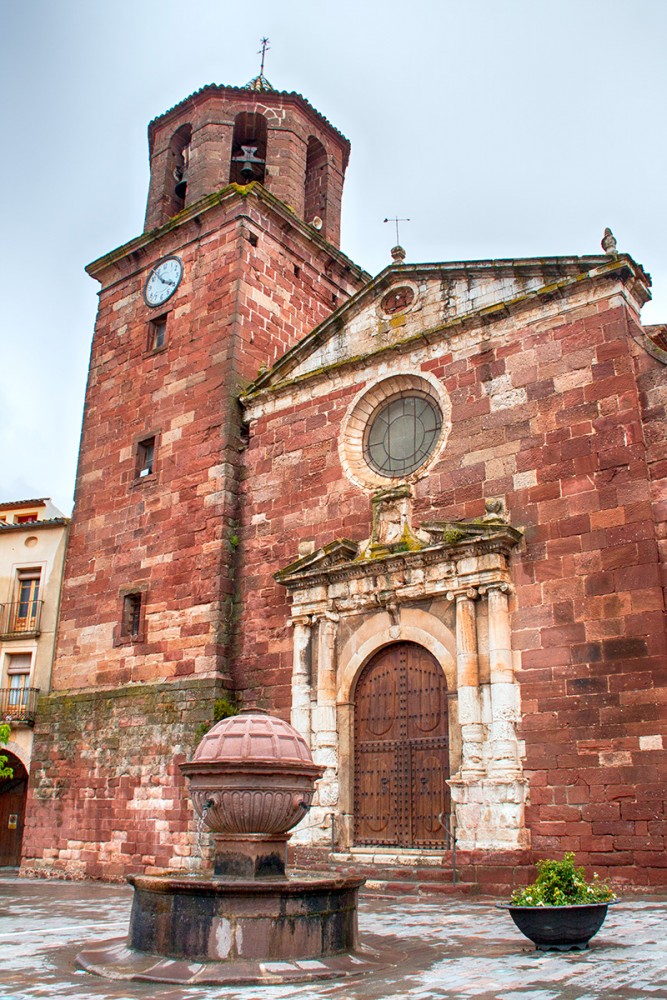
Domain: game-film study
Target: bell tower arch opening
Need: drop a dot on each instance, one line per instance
(317, 176)
(179, 148)
(248, 162)
(401, 750)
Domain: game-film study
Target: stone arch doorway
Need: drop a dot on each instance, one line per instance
(13, 793)
(401, 749)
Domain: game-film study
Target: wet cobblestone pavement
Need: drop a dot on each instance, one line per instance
(453, 948)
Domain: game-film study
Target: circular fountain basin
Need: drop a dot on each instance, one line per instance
(194, 930)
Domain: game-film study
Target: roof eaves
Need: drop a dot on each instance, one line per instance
(51, 522)
(218, 87)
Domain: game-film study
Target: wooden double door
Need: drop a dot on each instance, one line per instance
(401, 750)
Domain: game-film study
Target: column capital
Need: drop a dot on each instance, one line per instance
(463, 593)
(305, 621)
(497, 586)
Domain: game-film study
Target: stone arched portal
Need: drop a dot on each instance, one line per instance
(401, 750)
(447, 589)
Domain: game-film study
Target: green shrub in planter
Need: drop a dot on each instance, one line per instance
(560, 883)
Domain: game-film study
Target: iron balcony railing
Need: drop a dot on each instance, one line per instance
(20, 618)
(18, 705)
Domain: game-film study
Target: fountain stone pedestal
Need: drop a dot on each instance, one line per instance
(251, 781)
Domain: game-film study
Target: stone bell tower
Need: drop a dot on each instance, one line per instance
(238, 260)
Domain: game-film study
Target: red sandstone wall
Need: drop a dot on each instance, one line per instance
(250, 290)
(105, 798)
(569, 455)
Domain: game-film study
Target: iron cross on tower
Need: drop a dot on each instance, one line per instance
(264, 42)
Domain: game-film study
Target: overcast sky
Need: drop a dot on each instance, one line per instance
(501, 128)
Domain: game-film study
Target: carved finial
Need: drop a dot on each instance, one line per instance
(495, 510)
(609, 242)
(397, 253)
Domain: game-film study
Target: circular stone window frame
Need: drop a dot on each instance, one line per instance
(367, 404)
(394, 287)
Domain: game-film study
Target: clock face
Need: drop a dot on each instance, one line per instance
(163, 281)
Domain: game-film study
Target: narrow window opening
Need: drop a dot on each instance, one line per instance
(157, 333)
(252, 239)
(145, 457)
(297, 271)
(130, 626)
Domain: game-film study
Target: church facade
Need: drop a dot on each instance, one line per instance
(421, 515)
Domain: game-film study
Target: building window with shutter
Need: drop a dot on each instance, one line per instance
(16, 691)
(25, 610)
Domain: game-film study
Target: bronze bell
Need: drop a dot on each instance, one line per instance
(181, 176)
(247, 171)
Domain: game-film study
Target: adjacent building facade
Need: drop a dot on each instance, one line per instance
(32, 552)
(421, 514)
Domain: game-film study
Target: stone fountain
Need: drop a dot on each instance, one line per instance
(251, 781)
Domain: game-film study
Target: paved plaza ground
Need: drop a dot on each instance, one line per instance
(453, 947)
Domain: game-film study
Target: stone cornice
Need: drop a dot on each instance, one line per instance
(459, 541)
(225, 197)
(621, 268)
(266, 97)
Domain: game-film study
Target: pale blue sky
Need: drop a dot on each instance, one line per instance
(501, 128)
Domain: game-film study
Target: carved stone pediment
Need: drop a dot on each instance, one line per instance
(338, 553)
(455, 556)
(461, 533)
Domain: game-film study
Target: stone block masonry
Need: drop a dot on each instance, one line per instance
(107, 797)
(560, 417)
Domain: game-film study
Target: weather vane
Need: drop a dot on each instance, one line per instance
(264, 42)
(397, 253)
(396, 220)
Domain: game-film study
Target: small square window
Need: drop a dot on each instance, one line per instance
(130, 626)
(25, 518)
(157, 333)
(145, 457)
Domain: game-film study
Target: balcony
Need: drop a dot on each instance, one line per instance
(18, 706)
(20, 620)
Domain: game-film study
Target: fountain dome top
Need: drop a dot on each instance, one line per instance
(253, 737)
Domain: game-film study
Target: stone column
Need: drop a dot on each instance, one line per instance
(504, 751)
(467, 669)
(316, 826)
(301, 678)
(325, 734)
(490, 807)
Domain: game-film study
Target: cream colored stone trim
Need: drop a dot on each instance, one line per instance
(360, 412)
(415, 626)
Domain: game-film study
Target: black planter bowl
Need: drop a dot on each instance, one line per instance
(559, 928)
